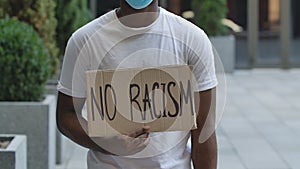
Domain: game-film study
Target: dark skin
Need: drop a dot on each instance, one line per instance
(204, 155)
(71, 123)
(137, 18)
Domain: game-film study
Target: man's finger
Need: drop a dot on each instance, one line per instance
(145, 135)
(144, 130)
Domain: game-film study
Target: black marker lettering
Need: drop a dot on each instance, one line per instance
(164, 100)
(147, 100)
(115, 102)
(133, 99)
(174, 100)
(93, 100)
(187, 96)
(155, 86)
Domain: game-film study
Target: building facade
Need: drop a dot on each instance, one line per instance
(271, 29)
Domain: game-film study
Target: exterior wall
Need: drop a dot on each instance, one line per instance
(296, 18)
(277, 19)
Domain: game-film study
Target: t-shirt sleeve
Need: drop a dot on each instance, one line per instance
(201, 57)
(72, 78)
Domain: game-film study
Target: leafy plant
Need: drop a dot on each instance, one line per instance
(40, 14)
(209, 15)
(24, 62)
(71, 14)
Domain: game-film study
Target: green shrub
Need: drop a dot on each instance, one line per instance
(40, 14)
(70, 14)
(209, 14)
(24, 62)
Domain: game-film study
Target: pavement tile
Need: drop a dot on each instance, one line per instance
(292, 158)
(281, 137)
(285, 114)
(260, 116)
(224, 144)
(257, 153)
(77, 164)
(293, 124)
(229, 160)
(236, 128)
(60, 167)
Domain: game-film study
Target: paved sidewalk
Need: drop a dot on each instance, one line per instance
(260, 128)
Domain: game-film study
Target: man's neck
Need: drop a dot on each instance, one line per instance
(137, 17)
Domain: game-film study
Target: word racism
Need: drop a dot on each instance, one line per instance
(148, 103)
(123, 100)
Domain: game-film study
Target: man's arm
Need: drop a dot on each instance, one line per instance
(204, 155)
(71, 123)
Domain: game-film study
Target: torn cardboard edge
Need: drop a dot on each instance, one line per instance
(123, 100)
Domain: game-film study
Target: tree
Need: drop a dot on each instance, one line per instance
(209, 15)
(71, 14)
(24, 62)
(40, 15)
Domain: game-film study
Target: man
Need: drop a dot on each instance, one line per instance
(139, 34)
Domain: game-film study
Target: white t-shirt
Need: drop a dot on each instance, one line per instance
(105, 43)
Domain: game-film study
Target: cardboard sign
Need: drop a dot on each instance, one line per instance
(123, 100)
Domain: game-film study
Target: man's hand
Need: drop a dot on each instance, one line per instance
(125, 145)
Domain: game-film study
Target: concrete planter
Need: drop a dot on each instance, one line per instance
(15, 155)
(63, 149)
(225, 46)
(36, 120)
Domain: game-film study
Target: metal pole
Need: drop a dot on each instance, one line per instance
(252, 23)
(285, 32)
(93, 7)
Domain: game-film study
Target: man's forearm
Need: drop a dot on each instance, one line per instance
(71, 123)
(204, 150)
(75, 129)
(204, 155)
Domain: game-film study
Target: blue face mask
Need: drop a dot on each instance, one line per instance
(139, 4)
